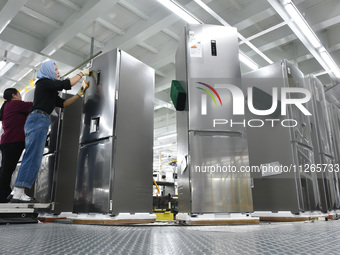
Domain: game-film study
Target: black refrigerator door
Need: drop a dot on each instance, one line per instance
(92, 191)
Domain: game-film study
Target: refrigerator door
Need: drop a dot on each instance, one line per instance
(295, 79)
(211, 60)
(44, 181)
(210, 111)
(100, 98)
(321, 123)
(306, 179)
(92, 191)
(217, 185)
(330, 182)
(334, 113)
(283, 75)
(212, 52)
(67, 157)
(133, 155)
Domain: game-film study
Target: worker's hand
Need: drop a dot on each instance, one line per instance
(85, 72)
(83, 88)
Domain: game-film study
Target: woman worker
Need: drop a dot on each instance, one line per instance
(46, 98)
(13, 114)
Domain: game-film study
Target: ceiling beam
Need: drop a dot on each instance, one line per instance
(110, 26)
(159, 19)
(70, 4)
(133, 9)
(89, 40)
(91, 11)
(40, 17)
(9, 11)
(148, 47)
(170, 33)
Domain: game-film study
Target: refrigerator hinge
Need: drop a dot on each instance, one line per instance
(110, 205)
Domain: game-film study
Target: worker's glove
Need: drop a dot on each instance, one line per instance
(83, 88)
(85, 72)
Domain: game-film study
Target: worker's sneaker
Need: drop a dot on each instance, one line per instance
(23, 198)
(10, 196)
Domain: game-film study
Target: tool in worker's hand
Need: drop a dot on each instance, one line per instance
(85, 85)
(83, 88)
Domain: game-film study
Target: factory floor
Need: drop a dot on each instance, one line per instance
(319, 237)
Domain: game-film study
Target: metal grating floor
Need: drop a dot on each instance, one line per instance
(307, 238)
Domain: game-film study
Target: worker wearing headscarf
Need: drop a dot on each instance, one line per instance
(46, 98)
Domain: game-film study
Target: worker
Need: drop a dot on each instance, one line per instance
(46, 98)
(13, 114)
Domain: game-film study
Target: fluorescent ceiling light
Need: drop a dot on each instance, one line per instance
(330, 63)
(247, 61)
(4, 70)
(2, 64)
(302, 24)
(166, 137)
(164, 145)
(180, 11)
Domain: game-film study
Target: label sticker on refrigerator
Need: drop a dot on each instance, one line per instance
(272, 168)
(195, 45)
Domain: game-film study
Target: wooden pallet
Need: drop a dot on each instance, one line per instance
(288, 219)
(50, 219)
(212, 219)
(120, 219)
(220, 222)
(112, 221)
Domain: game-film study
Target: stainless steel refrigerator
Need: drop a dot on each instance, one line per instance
(207, 57)
(114, 172)
(279, 147)
(55, 182)
(323, 149)
(334, 113)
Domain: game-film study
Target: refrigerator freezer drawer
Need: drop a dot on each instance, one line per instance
(92, 191)
(44, 181)
(215, 187)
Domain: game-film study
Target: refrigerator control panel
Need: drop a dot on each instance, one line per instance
(213, 48)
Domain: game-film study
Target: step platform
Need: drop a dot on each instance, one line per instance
(120, 219)
(216, 219)
(19, 213)
(286, 216)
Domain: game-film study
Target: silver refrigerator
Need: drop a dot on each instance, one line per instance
(114, 172)
(207, 57)
(334, 113)
(323, 149)
(55, 182)
(278, 148)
